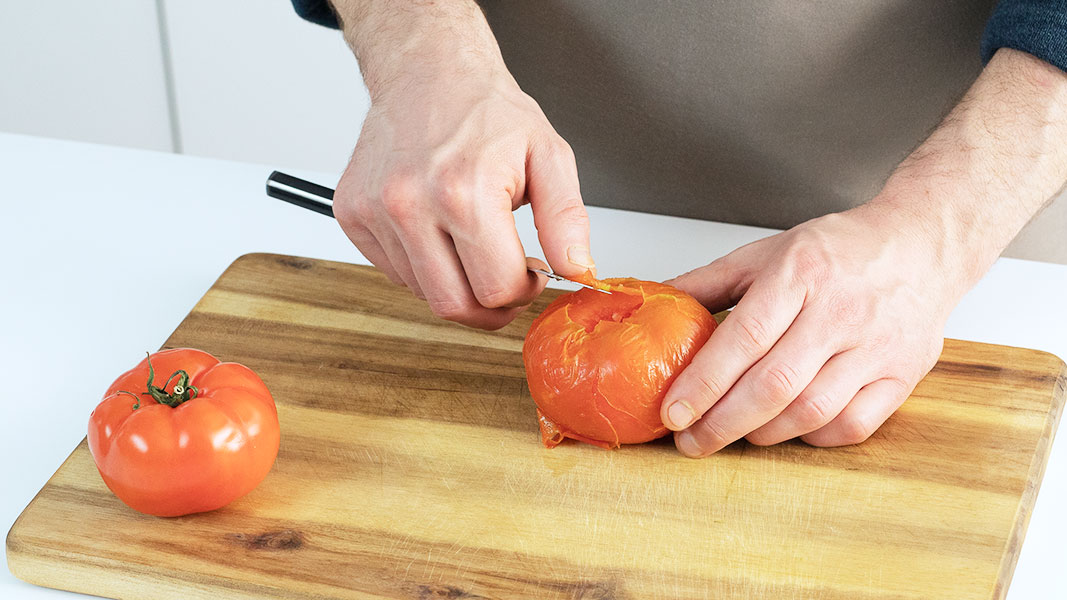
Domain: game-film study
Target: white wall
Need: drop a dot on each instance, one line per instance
(254, 82)
(80, 70)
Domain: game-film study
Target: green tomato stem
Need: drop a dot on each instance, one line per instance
(182, 391)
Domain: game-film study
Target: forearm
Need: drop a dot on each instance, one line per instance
(398, 41)
(994, 162)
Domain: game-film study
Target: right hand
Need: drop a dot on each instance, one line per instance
(445, 155)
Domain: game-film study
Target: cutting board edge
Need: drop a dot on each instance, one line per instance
(39, 564)
(70, 572)
(26, 565)
(19, 551)
(1035, 476)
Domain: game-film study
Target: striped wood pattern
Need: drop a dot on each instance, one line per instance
(411, 467)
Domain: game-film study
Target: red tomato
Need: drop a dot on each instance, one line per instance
(190, 443)
(598, 365)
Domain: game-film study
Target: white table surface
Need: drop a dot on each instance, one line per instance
(104, 251)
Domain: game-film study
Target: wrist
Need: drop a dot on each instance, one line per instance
(423, 47)
(933, 238)
(988, 168)
(921, 237)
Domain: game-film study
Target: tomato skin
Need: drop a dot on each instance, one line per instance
(598, 365)
(195, 457)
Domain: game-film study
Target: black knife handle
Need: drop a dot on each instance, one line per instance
(300, 192)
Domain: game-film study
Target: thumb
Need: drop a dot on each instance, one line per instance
(559, 215)
(718, 285)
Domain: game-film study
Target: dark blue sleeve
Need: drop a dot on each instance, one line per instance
(1037, 27)
(316, 11)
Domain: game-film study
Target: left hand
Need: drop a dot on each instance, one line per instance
(836, 321)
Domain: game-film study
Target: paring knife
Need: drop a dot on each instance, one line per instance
(319, 198)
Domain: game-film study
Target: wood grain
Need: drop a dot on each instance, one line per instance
(411, 467)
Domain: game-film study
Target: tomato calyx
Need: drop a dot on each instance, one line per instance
(182, 391)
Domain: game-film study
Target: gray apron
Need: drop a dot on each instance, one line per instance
(767, 112)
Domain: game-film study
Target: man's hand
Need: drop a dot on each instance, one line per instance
(450, 147)
(837, 319)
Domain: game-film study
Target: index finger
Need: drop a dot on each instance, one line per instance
(760, 319)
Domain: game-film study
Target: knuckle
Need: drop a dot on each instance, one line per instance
(708, 388)
(453, 194)
(562, 149)
(815, 411)
(399, 209)
(398, 196)
(778, 384)
(808, 261)
(348, 186)
(810, 267)
(910, 361)
(709, 434)
(469, 315)
(497, 297)
(902, 387)
(782, 378)
(753, 334)
(345, 213)
(351, 210)
(572, 214)
(449, 310)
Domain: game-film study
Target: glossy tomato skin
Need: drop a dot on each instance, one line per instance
(599, 365)
(198, 456)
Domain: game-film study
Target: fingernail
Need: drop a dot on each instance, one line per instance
(680, 415)
(579, 255)
(687, 444)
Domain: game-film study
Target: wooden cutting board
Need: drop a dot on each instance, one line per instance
(411, 467)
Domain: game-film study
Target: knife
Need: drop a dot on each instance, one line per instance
(319, 198)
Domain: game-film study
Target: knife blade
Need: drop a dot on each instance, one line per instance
(559, 277)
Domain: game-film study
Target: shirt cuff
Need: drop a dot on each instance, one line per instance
(316, 11)
(1037, 27)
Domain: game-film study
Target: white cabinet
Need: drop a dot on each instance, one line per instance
(87, 71)
(254, 82)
